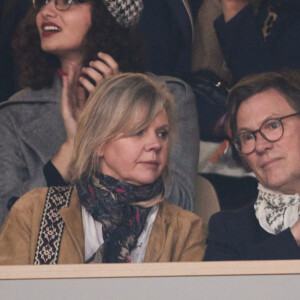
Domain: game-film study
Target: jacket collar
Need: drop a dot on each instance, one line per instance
(40, 125)
(29, 95)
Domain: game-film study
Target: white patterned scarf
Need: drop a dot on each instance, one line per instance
(276, 211)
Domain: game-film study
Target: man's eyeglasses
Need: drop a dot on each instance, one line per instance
(61, 5)
(271, 130)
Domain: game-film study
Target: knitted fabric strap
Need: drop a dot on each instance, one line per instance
(52, 225)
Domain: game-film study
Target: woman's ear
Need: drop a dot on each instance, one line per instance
(100, 151)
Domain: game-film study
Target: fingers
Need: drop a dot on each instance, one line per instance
(92, 74)
(102, 67)
(109, 62)
(105, 67)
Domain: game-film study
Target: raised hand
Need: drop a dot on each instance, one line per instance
(105, 67)
(73, 100)
(72, 104)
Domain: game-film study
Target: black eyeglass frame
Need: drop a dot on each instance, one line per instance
(235, 143)
(38, 8)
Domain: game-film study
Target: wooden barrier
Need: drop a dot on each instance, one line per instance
(152, 270)
(203, 280)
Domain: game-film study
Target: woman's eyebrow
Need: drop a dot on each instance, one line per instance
(164, 126)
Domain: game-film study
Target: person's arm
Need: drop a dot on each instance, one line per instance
(72, 103)
(74, 99)
(180, 187)
(241, 40)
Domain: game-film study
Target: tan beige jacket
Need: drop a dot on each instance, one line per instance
(176, 235)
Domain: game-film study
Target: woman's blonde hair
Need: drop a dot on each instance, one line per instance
(115, 108)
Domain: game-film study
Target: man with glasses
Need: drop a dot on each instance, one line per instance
(264, 115)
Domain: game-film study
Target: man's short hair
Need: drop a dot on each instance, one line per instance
(286, 82)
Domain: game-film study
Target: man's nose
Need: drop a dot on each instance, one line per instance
(261, 144)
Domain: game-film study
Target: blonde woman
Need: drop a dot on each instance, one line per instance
(114, 210)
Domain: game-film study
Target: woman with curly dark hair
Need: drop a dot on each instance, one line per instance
(39, 65)
(58, 46)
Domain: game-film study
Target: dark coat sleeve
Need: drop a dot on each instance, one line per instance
(242, 43)
(238, 236)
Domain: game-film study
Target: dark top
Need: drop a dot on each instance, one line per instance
(243, 44)
(237, 235)
(168, 33)
(52, 176)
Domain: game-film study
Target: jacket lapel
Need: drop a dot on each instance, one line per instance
(157, 239)
(73, 223)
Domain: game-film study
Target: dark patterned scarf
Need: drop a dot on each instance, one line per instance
(109, 201)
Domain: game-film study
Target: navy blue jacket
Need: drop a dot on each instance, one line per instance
(237, 235)
(243, 45)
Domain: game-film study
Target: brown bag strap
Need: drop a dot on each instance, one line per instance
(52, 225)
